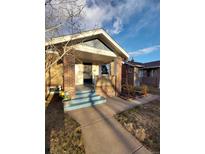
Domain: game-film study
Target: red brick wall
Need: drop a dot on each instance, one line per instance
(105, 86)
(105, 91)
(69, 73)
(127, 74)
(54, 76)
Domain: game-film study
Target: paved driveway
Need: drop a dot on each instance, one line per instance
(102, 134)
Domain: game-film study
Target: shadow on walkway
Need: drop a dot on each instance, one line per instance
(113, 132)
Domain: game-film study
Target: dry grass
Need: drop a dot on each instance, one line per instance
(144, 123)
(63, 134)
(154, 90)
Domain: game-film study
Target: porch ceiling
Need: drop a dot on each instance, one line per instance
(93, 55)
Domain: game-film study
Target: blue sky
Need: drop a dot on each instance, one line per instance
(134, 24)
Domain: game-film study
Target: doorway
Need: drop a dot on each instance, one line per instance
(87, 73)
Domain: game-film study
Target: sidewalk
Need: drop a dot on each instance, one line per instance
(102, 133)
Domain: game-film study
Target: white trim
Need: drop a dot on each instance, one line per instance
(113, 42)
(51, 51)
(87, 34)
(84, 48)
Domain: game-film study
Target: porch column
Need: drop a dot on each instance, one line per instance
(69, 73)
(118, 73)
(112, 72)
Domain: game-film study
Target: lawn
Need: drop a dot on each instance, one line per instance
(143, 122)
(63, 134)
(154, 90)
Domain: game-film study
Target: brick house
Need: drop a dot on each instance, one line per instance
(135, 73)
(93, 61)
(131, 73)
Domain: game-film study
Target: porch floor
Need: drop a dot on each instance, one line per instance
(84, 87)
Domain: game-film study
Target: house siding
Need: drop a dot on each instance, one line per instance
(54, 75)
(130, 75)
(151, 79)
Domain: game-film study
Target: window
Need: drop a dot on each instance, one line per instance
(130, 70)
(148, 73)
(105, 69)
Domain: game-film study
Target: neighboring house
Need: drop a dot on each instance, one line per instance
(151, 74)
(95, 59)
(131, 73)
(135, 73)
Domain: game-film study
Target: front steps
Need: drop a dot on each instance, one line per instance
(84, 98)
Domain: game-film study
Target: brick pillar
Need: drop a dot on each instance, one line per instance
(118, 73)
(69, 73)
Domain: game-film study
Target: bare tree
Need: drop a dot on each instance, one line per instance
(61, 17)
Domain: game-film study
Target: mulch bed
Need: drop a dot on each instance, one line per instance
(143, 122)
(63, 134)
(128, 97)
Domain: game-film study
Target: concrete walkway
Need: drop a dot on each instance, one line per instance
(102, 133)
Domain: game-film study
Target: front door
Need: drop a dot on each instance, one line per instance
(87, 74)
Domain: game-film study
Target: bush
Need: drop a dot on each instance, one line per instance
(144, 90)
(129, 90)
(64, 95)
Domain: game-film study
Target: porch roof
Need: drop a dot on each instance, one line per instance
(96, 33)
(90, 54)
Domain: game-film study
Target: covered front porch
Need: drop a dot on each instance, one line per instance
(90, 76)
(91, 68)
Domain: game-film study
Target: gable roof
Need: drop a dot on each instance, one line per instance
(132, 63)
(91, 34)
(153, 64)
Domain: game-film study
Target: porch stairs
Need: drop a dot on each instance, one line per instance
(84, 98)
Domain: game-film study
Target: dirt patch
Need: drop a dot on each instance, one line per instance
(63, 134)
(143, 122)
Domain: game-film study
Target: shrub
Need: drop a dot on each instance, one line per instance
(144, 90)
(130, 90)
(65, 95)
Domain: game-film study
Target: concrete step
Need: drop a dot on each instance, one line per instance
(85, 94)
(84, 91)
(84, 104)
(85, 99)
